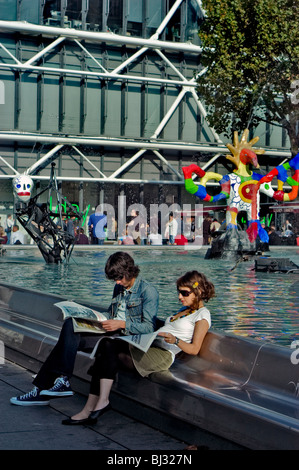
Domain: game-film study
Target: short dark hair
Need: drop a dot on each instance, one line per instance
(120, 265)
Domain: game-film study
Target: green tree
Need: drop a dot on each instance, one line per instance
(251, 51)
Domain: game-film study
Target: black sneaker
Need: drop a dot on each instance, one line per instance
(61, 388)
(30, 398)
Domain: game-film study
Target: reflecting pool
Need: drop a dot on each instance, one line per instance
(263, 306)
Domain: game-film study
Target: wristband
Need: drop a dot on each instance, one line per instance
(176, 341)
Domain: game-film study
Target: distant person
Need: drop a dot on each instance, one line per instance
(192, 227)
(206, 229)
(69, 226)
(127, 239)
(3, 236)
(17, 237)
(137, 230)
(171, 229)
(97, 222)
(8, 227)
(181, 240)
(288, 230)
(215, 225)
(274, 237)
(112, 229)
(154, 238)
(81, 238)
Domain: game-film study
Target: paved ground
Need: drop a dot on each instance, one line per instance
(40, 428)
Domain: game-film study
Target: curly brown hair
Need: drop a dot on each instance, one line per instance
(199, 284)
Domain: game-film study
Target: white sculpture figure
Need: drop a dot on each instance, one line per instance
(22, 187)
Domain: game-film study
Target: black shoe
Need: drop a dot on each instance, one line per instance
(71, 422)
(94, 415)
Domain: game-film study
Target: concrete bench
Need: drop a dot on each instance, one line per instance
(241, 390)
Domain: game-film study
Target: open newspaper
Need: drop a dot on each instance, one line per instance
(84, 318)
(140, 341)
(87, 320)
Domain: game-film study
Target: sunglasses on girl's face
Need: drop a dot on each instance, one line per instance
(184, 293)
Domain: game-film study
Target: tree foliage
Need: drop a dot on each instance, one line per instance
(251, 51)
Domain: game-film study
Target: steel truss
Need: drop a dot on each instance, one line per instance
(182, 84)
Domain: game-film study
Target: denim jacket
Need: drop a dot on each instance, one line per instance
(142, 305)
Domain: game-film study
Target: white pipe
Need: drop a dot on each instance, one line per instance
(42, 160)
(168, 17)
(204, 113)
(11, 167)
(199, 3)
(175, 104)
(130, 59)
(99, 180)
(169, 113)
(90, 55)
(171, 65)
(72, 140)
(71, 33)
(211, 161)
(105, 75)
(127, 164)
(114, 180)
(10, 54)
(155, 36)
(44, 51)
(87, 159)
(168, 164)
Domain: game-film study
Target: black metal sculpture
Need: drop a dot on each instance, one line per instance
(44, 226)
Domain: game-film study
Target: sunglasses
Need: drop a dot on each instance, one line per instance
(184, 293)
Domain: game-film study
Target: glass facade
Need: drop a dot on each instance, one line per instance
(136, 18)
(124, 105)
(47, 100)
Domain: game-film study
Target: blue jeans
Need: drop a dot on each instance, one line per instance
(61, 360)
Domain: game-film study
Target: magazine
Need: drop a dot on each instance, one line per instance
(84, 318)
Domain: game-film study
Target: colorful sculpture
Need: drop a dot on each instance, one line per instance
(242, 187)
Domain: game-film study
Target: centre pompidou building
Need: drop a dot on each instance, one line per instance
(107, 90)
